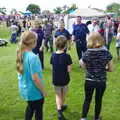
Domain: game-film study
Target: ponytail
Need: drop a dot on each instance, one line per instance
(28, 40)
(19, 60)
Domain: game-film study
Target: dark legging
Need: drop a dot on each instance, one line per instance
(34, 107)
(49, 39)
(99, 88)
(118, 51)
(41, 57)
(109, 40)
(81, 48)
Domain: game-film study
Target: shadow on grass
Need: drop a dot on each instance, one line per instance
(11, 115)
(74, 115)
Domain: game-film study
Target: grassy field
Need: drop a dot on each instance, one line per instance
(12, 107)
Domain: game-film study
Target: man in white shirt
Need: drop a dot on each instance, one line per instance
(94, 27)
(13, 29)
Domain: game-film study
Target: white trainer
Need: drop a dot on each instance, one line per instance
(83, 119)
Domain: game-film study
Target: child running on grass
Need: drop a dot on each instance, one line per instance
(61, 64)
(96, 60)
(30, 76)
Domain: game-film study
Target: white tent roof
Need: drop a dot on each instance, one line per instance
(87, 12)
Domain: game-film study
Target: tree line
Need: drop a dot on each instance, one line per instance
(35, 9)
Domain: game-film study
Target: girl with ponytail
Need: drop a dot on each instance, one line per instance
(30, 76)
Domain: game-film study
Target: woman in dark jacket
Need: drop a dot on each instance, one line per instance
(40, 41)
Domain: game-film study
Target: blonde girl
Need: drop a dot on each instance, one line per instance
(96, 60)
(30, 76)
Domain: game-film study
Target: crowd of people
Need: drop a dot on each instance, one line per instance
(92, 43)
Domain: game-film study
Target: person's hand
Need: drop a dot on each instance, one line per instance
(73, 42)
(45, 94)
(106, 67)
(41, 48)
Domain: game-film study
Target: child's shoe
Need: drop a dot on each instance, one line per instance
(83, 119)
(97, 119)
(64, 107)
(60, 115)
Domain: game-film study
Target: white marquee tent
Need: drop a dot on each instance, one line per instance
(87, 12)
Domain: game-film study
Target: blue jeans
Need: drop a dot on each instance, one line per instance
(14, 38)
(49, 39)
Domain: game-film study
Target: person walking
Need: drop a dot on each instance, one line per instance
(30, 76)
(61, 66)
(97, 60)
(80, 31)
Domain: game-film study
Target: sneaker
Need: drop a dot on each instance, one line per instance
(64, 107)
(97, 119)
(83, 119)
(60, 115)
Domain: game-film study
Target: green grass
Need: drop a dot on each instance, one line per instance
(12, 107)
(4, 32)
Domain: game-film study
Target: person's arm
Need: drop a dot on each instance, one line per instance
(43, 42)
(42, 46)
(38, 84)
(73, 38)
(69, 63)
(55, 37)
(87, 30)
(118, 36)
(68, 35)
(73, 35)
(56, 34)
(69, 68)
(17, 28)
(82, 64)
(35, 68)
(109, 66)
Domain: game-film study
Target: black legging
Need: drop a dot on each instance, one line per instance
(41, 57)
(118, 51)
(81, 48)
(99, 88)
(109, 40)
(34, 107)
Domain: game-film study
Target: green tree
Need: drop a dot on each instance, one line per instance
(46, 13)
(72, 8)
(3, 10)
(35, 9)
(65, 8)
(58, 10)
(113, 7)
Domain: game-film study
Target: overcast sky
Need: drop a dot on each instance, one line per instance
(51, 4)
